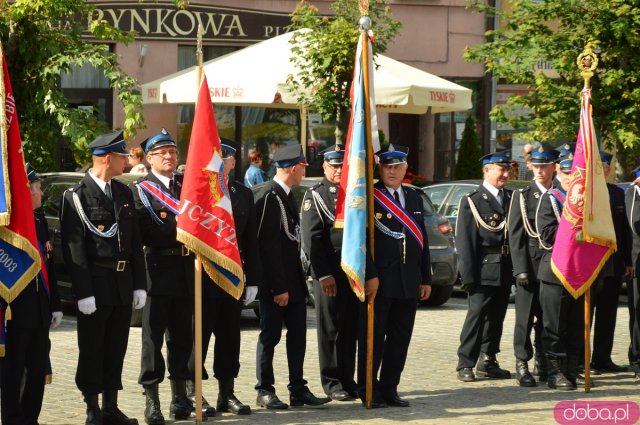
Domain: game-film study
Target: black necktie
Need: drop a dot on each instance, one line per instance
(172, 187)
(501, 197)
(396, 196)
(107, 191)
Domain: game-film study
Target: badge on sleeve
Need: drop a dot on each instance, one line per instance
(307, 205)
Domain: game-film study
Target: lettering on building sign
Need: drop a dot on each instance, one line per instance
(164, 21)
(446, 97)
(152, 93)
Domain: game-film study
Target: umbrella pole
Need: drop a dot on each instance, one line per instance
(587, 341)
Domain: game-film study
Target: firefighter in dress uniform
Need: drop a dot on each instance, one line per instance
(402, 268)
(485, 269)
(336, 304)
(525, 256)
(632, 201)
(168, 312)
(221, 312)
(102, 249)
(283, 291)
(35, 310)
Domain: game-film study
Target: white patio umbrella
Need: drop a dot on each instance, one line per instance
(257, 76)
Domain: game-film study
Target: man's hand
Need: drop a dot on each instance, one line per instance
(468, 287)
(425, 292)
(282, 300)
(522, 280)
(328, 285)
(628, 271)
(56, 319)
(250, 293)
(139, 298)
(87, 305)
(371, 289)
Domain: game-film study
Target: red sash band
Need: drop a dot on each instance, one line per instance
(388, 203)
(161, 196)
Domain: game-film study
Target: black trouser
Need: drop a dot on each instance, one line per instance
(527, 308)
(27, 353)
(102, 343)
(604, 312)
(563, 319)
(220, 317)
(633, 297)
(170, 318)
(272, 316)
(337, 326)
(482, 329)
(392, 328)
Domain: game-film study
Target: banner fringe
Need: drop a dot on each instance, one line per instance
(578, 293)
(357, 285)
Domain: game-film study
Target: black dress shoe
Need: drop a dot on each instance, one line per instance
(270, 401)
(396, 401)
(231, 404)
(488, 367)
(307, 399)
(376, 403)
(607, 367)
(466, 375)
(523, 376)
(340, 395)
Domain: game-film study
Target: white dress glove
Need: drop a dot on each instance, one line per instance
(250, 293)
(87, 305)
(56, 319)
(139, 298)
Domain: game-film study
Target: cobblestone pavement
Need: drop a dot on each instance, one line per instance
(429, 381)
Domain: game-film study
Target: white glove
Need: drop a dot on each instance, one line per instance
(139, 298)
(250, 293)
(56, 319)
(87, 305)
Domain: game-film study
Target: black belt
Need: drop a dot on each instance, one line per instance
(502, 250)
(183, 251)
(118, 266)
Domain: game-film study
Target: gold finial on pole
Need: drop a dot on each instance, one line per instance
(363, 5)
(587, 63)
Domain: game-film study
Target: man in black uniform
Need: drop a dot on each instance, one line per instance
(169, 308)
(632, 201)
(34, 311)
(485, 269)
(221, 312)
(562, 314)
(402, 267)
(102, 249)
(606, 289)
(336, 304)
(283, 291)
(525, 256)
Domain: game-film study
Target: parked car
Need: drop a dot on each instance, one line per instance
(53, 186)
(444, 259)
(446, 199)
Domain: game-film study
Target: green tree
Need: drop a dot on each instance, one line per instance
(557, 32)
(42, 41)
(327, 68)
(468, 165)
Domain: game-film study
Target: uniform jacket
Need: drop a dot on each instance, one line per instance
(167, 274)
(632, 201)
(321, 242)
(480, 251)
(400, 274)
(525, 250)
(244, 216)
(280, 255)
(547, 223)
(615, 265)
(33, 307)
(81, 248)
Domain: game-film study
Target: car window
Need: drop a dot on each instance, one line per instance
(437, 194)
(52, 197)
(454, 200)
(428, 206)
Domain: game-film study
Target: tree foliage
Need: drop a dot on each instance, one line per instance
(468, 164)
(557, 32)
(42, 41)
(327, 66)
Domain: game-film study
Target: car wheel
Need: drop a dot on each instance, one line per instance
(439, 296)
(136, 318)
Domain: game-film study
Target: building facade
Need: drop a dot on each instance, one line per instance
(433, 36)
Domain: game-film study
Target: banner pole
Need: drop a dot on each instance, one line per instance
(198, 283)
(587, 341)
